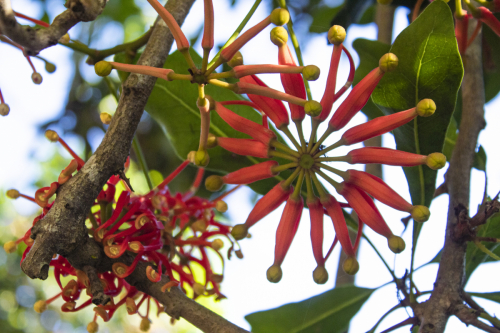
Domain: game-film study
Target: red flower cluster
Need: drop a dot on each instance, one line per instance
(170, 231)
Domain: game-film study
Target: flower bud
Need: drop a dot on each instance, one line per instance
(214, 183)
(199, 225)
(10, 247)
(350, 266)
(50, 67)
(105, 118)
(274, 274)
(40, 306)
(312, 108)
(280, 16)
(65, 40)
(211, 141)
(279, 36)
(217, 244)
(388, 62)
(51, 135)
(311, 72)
(221, 206)
(420, 213)
(145, 324)
(436, 161)
(396, 244)
(103, 68)
(320, 275)
(4, 109)
(236, 60)
(239, 254)
(12, 194)
(201, 158)
(198, 289)
(336, 35)
(36, 78)
(239, 231)
(426, 107)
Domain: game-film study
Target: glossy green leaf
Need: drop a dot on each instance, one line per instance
(328, 312)
(322, 16)
(491, 61)
(494, 296)
(449, 145)
(369, 52)
(429, 67)
(173, 106)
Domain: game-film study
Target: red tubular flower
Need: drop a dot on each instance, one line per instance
(331, 81)
(244, 147)
(335, 212)
(180, 38)
(461, 31)
(241, 124)
(251, 174)
(486, 16)
(292, 83)
(273, 108)
(161, 73)
(385, 156)
(316, 214)
(207, 42)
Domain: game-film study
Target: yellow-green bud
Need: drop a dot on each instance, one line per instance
(426, 107)
(312, 108)
(64, 39)
(221, 206)
(236, 60)
(211, 141)
(388, 62)
(436, 161)
(384, 2)
(217, 244)
(145, 324)
(92, 327)
(4, 109)
(36, 78)
(51, 135)
(10, 247)
(40, 306)
(320, 275)
(311, 73)
(103, 68)
(280, 16)
(350, 266)
(420, 213)
(214, 183)
(12, 194)
(274, 274)
(105, 118)
(279, 36)
(201, 158)
(198, 289)
(199, 225)
(50, 67)
(396, 244)
(336, 35)
(239, 231)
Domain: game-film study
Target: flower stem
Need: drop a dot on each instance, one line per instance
(285, 130)
(310, 191)
(292, 177)
(335, 171)
(285, 148)
(280, 168)
(298, 125)
(328, 179)
(328, 131)
(223, 75)
(319, 186)
(223, 84)
(332, 159)
(314, 130)
(332, 147)
(298, 187)
(274, 153)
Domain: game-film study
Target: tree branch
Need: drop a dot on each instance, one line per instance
(446, 297)
(63, 230)
(35, 40)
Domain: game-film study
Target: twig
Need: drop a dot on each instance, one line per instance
(95, 286)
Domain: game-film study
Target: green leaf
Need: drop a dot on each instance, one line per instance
(494, 296)
(120, 10)
(429, 67)
(173, 106)
(322, 16)
(480, 159)
(369, 52)
(491, 56)
(449, 145)
(328, 312)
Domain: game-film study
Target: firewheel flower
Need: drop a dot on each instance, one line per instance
(175, 233)
(307, 161)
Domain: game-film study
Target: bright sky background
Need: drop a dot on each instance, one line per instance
(245, 282)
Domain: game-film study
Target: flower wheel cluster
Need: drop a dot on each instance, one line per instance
(172, 232)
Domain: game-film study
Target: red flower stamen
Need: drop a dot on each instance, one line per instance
(67, 172)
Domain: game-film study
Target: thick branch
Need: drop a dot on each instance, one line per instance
(35, 40)
(446, 297)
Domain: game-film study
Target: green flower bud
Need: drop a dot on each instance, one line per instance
(311, 72)
(396, 244)
(426, 107)
(279, 36)
(201, 158)
(388, 62)
(4, 109)
(236, 60)
(420, 213)
(239, 231)
(336, 35)
(50, 67)
(274, 274)
(214, 183)
(217, 244)
(436, 161)
(12, 194)
(280, 16)
(350, 266)
(103, 68)
(64, 39)
(36, 78)
(312, 108)
(51, 135)
(320, 275)
(211, 141)
(145, 324)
